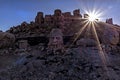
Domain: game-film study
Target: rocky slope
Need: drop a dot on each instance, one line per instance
(85, 62)
(73, 64)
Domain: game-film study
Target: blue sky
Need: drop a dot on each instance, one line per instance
(14, 12)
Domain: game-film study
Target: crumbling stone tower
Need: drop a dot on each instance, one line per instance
(39, 18)
(67, 18)
(48, 20)
(57, 12)
(109, 21)
(76, 13)
(58, 19)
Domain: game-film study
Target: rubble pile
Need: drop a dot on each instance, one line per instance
(70, 25)
(44, 23)
(69, 65)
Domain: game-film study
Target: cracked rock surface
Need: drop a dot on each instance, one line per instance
(73, 64)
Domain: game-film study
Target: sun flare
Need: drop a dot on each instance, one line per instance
(94, 15)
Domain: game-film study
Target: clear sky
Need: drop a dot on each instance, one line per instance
(14, 12)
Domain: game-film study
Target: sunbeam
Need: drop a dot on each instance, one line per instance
(90, 24)
(86, 23)
(94, 15)
(102, 54)
(99, 45)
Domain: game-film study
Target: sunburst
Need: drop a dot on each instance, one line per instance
(94, 15)
(91, 22)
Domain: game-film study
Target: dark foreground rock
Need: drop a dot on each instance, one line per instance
(73, 64)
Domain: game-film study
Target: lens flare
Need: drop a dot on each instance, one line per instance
(94, 15)
(91, 25)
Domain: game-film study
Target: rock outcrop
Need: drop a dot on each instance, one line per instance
(110, 36)
(6, 39)
(86, 42)
(69, 24)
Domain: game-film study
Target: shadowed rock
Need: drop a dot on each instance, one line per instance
(6, 39)
(86, 42)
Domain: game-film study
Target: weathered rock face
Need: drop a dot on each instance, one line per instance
(55, 39)
(67, 14)
(81, 63)
(48, 19)
(6, 39)
(23, 44)
(109, 21)
(24, 24)
(68, 23)
(76, 13)
(57, 12)
(47, 66)
(58, 19)
(86, 42)
(110, 36)
(39, 18)
(73, 64)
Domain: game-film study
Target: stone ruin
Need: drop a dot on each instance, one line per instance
(55, 40)
(43, 24)
(69, 25)
(48, 20)
(74, 63)
(39, 18)
(109, 21)
(23, 44)
(58, 19)
(6, 39)
(76, 13)
(7, 42)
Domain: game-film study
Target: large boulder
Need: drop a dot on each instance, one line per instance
(110, 35)
(86, 42)
(6, 39)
